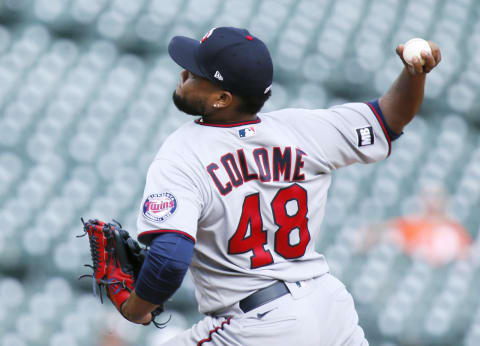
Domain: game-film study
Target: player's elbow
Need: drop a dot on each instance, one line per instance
(164, 268)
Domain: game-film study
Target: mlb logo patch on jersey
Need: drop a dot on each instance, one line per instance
(365, 136)
(159, 206)
(246, 132)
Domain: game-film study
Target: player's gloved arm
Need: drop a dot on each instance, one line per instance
(400, 104)
(138, 310)
(161, 275)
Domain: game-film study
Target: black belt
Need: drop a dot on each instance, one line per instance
(263, 296)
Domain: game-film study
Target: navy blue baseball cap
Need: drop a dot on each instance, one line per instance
(230, 57)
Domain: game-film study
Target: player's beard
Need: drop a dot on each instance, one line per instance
(189, 107)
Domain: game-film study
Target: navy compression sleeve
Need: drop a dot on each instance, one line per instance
(393, 135)
(164, 268)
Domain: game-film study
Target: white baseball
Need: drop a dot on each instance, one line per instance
(413, 48)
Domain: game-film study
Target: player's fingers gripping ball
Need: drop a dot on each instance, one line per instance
(116, 261)
(413, 49)
(419, 56)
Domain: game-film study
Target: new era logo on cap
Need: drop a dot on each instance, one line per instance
(218, 75)
(365, 136)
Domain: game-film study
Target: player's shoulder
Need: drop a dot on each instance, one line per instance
(179, 140)
(284, 113)
(352, 106)
(290, 115)
(296, 113)
(185, 129)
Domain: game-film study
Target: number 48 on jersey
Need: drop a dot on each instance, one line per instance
(251, 216)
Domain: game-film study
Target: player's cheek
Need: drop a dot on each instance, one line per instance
(183, 89)
(177, 90)
(183, 76)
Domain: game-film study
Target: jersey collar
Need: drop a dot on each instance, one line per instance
(242, 123)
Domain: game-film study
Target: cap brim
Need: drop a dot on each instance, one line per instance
(183, 51)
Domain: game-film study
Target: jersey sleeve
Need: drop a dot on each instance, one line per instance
(346, 134)
(171, 202)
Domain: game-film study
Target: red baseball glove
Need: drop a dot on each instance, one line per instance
(117, 259)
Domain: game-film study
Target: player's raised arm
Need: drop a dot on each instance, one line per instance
(404, 98)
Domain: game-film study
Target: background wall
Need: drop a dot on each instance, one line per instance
(85, 102)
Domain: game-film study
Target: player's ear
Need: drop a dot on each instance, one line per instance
(223, 99)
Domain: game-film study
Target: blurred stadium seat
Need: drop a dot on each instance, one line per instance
(85, 102)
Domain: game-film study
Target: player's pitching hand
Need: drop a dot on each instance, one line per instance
(431, 59)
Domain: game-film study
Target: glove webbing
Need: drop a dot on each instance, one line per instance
(123, 245)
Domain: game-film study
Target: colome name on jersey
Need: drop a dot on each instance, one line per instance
(268, 165)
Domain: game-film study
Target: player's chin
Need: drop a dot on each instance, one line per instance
(184, 106)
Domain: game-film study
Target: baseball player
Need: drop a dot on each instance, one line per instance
(238, 197)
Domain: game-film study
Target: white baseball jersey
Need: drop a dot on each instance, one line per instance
(252, 195)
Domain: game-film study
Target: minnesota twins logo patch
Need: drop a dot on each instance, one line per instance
(159, 206)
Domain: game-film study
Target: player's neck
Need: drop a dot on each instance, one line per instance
(224, 117)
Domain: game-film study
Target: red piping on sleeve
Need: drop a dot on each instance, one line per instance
(157, 231)
(383, 128)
